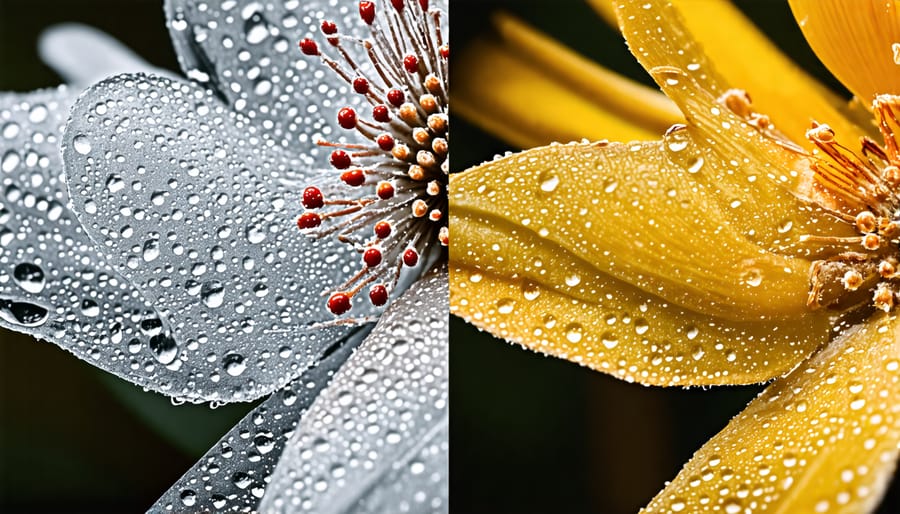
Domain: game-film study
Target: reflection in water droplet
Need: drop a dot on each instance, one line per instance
(29, 277)
(695, 164)
(90, 308)
(573, 332)
(23, 313)
(213, 294)
(164, 348)
(530, 291)
(573, 280)
(609, 340)
(234, 364)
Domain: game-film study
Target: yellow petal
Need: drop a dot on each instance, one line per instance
(523, 105)
(718, 48)
(859, 41)
(643, 106)
(822, 439)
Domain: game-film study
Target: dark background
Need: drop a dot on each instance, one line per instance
(536, 434)
(74, 438)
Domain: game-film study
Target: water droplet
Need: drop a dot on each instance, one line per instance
(505, 305)
(188, 498)
(574, 332)
(549, 182)
(573, 280)
(692, 332)
(530, 291)
(81, 144)
(697, 352)
(90, 308)
(213, 294)
(10, 161)
(10, 130)
(234, 364)
(23, 313)
(641, 326)
(609, 340)
(752, 277)
(164, 348)
(256, 29)
(695, 164)
(38, 113)
(29, 277)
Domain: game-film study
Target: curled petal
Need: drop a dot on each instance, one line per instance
(822, 439)
(376, 439)
(859, 41)
(188, 204)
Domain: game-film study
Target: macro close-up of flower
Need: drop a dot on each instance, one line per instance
(740, 229)
(271, 224)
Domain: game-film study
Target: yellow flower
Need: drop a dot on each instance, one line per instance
(745, 245)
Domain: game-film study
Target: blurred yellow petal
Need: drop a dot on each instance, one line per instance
(858, 41)
(822, 439)
(718, 48)
(609, 91)
(605, 9)
(650, 214)
(525, 106)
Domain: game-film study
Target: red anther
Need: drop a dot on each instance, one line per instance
(339, 303)
(384, 190)
(444, 51)
(398, 4)
(312, 198)
(347, 117)
(309, 47)
(385, 142)
(372, 257)
(367, 12)
(410, 257)
(411, 63)
(378, 295)
(396, 97)
(308, 220)
(361, 85)
(381, 113)
(423, 4)
(340, 159)
(328, 27)
(353, 177)
(382, 229)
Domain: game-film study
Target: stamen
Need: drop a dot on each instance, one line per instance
(389, 195)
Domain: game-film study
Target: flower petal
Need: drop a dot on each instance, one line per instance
(822, 439)
(382, 420)
(594, 235)
(516, 108)
(247, 51)
(82, 55)
(233, 475)
(701, 44)
(859, 41)
(54, 284)
(190, 205)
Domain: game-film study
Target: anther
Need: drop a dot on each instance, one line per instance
(425, 159)
(385, 142)
(361, 85)
(367, 12)
(421, 135)
(329, 28)
(429, 103)
(353, 177)
(411, 63)
(851, 280)
(820, 134)
(378, 295)
(372, 257)
(408, 113)
(309, 220)
(886, 269)
(865, 222)
(871, 242)
(309, 47)
(381, 113)
(437, 123)
(410, 257)
(312, 198)
(419, 208)
(444, 236)
(339, 303)
(432, 84)
(883, 298)
(435, 215)
(384, 190)
(382, 229)
(400, 152)
(347, 118)
(396, 97)
(416, 172)
(434, 188)
(340, 159)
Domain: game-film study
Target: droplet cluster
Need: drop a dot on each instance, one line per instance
(386, 196)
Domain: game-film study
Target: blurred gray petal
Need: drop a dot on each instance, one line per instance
(375, 440)
(247, 51)
(82, 55)
(233, 475)
(54, 284)
(187, 201)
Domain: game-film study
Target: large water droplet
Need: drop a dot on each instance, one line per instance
(82, 144)
(164, 348)
(25, 314)
(234, 364)
(213, 294)
(29, 277)
(549, 182)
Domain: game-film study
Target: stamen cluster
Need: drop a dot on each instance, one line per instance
(387, 195)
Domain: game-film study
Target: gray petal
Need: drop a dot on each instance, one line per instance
(233, 475)
(247, 51)
(54, 284)
(199, 213)
(375, 439)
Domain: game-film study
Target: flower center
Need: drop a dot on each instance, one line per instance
(860, 189)
(386, 195)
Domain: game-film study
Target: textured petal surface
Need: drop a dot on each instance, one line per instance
(247, 51)
(859, 41)
(187, 202)
(234, 473)
(616, 257)
(54, 284)
(82, 55)
(701, 44)
(382, 420)
(823, 439)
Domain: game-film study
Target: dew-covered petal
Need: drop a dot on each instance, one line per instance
(376, 439)
(82, 55)
(637, 213)
(54, 283)
(233, 475)
(859, 41)
(186, 201)
(822, 439)
(247, 51)
(542, 92)
(698, 38)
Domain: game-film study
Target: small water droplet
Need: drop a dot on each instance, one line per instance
(574, 332)
(81, 144)
(695, 164)
(10, 161)
(505, 305)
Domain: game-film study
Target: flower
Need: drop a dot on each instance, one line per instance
(689, 261)
(172, 261)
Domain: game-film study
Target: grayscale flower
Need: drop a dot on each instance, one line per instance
(167, 253)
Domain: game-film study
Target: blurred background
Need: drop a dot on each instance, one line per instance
(74, 439)
(536, 434)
